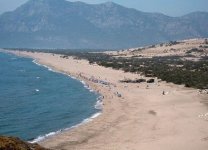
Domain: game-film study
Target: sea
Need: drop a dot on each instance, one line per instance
(37, 102)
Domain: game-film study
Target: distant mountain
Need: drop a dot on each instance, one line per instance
(63, 24)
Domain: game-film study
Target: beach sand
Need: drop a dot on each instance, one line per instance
(141, 119)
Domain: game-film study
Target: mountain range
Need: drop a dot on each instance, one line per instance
(77, 25)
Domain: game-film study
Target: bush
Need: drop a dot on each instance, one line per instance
(151, 81)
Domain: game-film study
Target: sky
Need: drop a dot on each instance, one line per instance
(168, 7)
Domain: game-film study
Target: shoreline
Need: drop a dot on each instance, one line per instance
(142, 118)
(97, 106)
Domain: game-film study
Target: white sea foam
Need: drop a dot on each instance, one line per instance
(98, 106)
(43, 137)
(40, 138)
(96, 115)
(99, 103)
(89, 119)
(49, 68)
(83, 82)
(91, 90)
(86, 86)
(34, 61)
(73, 77)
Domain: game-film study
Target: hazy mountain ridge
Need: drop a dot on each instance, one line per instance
(63, 24)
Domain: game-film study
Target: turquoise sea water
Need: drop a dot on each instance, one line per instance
(35, 101)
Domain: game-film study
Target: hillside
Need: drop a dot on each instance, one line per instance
(63, 24)
(13, 143)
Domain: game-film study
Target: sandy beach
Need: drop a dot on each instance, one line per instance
(134, 116)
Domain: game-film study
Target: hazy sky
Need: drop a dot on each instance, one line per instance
(168, 7)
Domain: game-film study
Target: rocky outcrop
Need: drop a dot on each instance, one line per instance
(13, 143)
